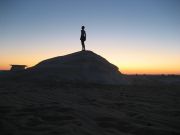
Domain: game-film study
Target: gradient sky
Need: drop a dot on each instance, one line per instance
(139, 36)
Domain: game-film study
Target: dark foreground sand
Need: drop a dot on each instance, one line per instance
(69, 109)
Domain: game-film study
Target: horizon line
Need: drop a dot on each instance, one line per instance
(150, 74)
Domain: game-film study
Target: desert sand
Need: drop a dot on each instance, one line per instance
(30, 108)
(35, 105)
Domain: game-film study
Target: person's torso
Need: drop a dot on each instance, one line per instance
(83, 33)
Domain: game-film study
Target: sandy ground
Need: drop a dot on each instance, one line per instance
(56, 109)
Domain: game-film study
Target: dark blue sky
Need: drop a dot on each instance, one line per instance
(139, 36)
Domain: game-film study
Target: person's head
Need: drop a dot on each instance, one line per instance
(82, 27)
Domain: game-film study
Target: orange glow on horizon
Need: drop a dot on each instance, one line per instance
(124, 70)
(128, 61)
(149, 71)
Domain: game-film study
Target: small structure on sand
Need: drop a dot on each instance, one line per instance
(18, 67)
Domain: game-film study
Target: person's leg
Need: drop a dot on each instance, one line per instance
(83, 46)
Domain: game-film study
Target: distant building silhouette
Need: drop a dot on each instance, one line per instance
(83, 37)
(17, 67)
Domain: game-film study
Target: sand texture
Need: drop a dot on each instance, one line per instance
(73, 109)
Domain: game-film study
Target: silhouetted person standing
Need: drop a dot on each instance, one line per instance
(83, 37)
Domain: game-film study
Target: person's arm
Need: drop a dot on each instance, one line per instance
(85, 34)
(81, 34)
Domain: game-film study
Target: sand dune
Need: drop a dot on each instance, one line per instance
(84, 94)
(82, 66)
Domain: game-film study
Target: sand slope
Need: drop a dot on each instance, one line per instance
(83, 66)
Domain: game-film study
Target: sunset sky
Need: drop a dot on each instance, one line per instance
(138, 36)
